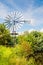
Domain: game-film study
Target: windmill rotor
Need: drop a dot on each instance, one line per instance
(14, 21)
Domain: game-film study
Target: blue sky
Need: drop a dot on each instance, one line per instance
(31, 10)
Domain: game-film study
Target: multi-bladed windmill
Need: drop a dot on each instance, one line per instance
(14, 21)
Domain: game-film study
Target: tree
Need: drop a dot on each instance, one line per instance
(37, 46)
(5, 37)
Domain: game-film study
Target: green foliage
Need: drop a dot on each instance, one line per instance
(27, 51)
(34, 38)
(31, 61)
(14, 56)
(17, 61)
(23, 49)
(37, 40)
(4, 55)
(5, 38)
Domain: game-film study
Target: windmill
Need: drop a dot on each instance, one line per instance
(14, 21)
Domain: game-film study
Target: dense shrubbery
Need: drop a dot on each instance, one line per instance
(27, 51)
(16, 55)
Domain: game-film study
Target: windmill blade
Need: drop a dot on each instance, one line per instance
(14, 13)
(15, 27)
(8, 26)
(19, 16)
(8, 23)
(7, 20)
(5, 23)
(17, 12)
(11, 14)
(9, 17)
(18, 26)
(21, 23)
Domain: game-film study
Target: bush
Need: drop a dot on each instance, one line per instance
(17, 61)
(31, 61)
(23, 49)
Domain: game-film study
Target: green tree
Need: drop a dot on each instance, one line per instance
(5, 37)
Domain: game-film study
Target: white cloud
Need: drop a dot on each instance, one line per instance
(41, 30)
(30, 30)
(35, 15)
(3, 10)
(20, 33)
(13, 5)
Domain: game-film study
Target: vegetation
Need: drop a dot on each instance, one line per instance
(5, 37)
(27, 51)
